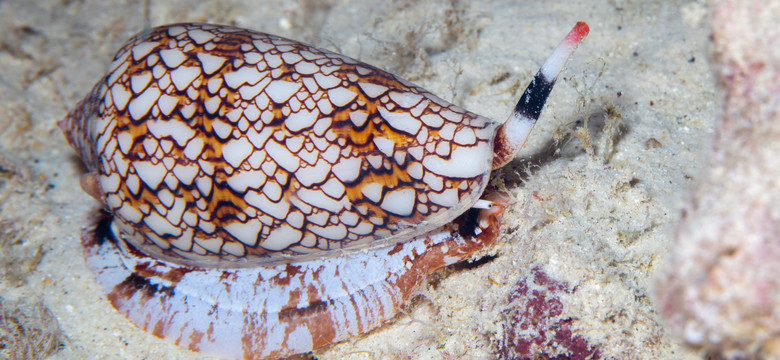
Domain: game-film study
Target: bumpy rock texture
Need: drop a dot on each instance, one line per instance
(538, 325)
(721, 290)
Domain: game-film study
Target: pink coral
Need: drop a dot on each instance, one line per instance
(721, 289)
(537, 325)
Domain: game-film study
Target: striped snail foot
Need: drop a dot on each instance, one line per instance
(281, 310)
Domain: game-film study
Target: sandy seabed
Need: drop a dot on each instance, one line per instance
(606, 170)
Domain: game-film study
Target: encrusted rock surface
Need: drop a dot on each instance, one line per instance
(721, 289)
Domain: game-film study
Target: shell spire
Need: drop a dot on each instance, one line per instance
(511, 136)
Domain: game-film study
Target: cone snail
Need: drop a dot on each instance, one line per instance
(268, 198)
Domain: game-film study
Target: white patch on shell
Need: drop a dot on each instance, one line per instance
(117, 73)
(432, 120)
(138, 82)
(199, 36)
(151, 174)
(249, 92)
(282, 156)
(172, 57)
(399, 201)
(183, 76)
(306, 68)
(245, 75)
(246, 233)
(340, 96)
(110, 183)
(193, 148)
(278, 210)
(213, 245)
(236, 151)
(142, 49)
(281, 238)
(326, 81)
(120, 96)
(212, 104)
(401, 121)
(405, 99)
(130, 213)
(221, 128)
(141, 104)
(214, 84)
(465, 136)
(313, 174)
(446, 198)
(384, 145)
(280, 91)
(176, 30)
(241, 180)
(333, 232)
(319, 200)
(464, 162)
(415, 170)
(160, 225)
(358, 118)
(179, 131)
(372, 90)
(185, 173)
(333, 188)
(167, 103)
(348, 169)
(302, 119)
(372, 191)
(291, 58)
(204, 184)
(273, 60)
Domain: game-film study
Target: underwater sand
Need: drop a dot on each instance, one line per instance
(608, 165)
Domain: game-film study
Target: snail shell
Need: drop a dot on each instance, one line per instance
(227, 156)
(214, 144)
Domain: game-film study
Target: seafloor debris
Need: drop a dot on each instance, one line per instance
(27, 331)
(721, 289)
(537, 324)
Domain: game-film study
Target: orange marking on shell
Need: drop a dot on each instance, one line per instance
(183, 97)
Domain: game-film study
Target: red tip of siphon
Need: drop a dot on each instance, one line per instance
(579, 32)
